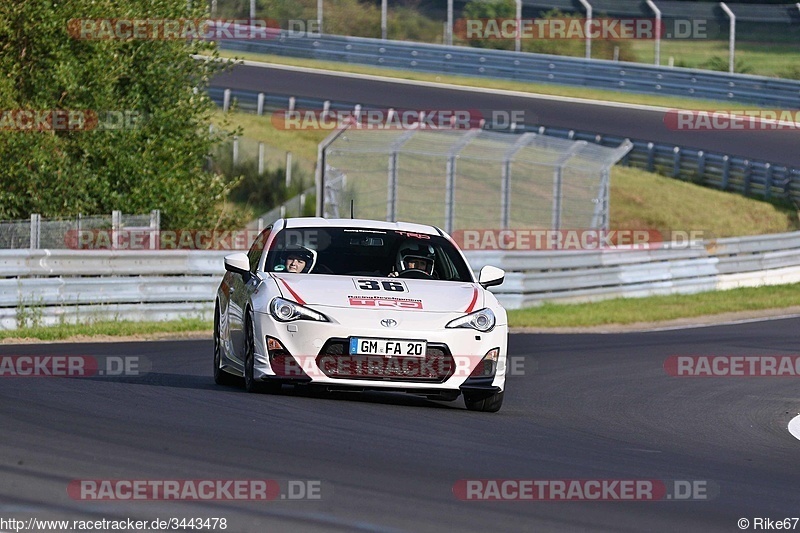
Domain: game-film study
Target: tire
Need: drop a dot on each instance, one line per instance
(481, 402)
(220, 376)
(250, 383)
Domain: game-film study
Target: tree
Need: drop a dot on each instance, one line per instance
(145, 135)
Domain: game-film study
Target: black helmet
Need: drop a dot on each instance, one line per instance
(295, 250)
(416, 253)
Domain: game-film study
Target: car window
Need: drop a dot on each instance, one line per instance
(254, 254)
(368, 252)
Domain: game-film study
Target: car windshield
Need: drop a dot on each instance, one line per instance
(366, 252)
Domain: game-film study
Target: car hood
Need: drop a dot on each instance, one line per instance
(360, 292)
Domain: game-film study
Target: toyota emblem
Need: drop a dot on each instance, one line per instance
(388, 322)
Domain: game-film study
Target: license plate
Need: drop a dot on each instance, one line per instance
(387, 347)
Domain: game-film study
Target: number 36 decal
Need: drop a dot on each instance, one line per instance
(380, 285)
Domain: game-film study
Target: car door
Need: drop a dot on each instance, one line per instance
(240, 293)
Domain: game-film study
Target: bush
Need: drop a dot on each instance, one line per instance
(154, 163)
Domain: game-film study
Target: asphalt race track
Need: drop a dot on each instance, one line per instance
(592, 406)
(778, 146)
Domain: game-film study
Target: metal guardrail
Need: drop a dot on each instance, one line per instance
(52, 286)
(594, 73)
(48, 287)
(721, 171)
(581, 276)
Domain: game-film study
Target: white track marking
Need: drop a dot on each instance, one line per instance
(725, 323)
(794, 427)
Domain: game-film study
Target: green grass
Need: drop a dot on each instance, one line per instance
(639, 199)
(642, 200)
(302, 144)
(107, 328)
(656, 308)
(763, 59)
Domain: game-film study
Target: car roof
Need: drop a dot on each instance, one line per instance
(310, 222)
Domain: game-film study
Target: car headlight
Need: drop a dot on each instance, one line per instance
(482, 320)
(287, 311)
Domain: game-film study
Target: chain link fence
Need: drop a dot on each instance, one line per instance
(467, 179)
(65, 233)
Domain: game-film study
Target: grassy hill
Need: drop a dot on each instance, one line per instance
(639, 199)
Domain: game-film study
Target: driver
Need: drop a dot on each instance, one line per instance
(413, 255)
(297, 259)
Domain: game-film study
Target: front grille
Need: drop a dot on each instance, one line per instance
(436, 367)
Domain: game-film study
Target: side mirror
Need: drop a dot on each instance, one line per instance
(238, 264)
(490, 276)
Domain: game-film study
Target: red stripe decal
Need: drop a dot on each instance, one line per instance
(294, 294)
(474, 299)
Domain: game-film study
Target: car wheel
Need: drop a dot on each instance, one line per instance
(481, 402)
(250, 383)
(220, 376)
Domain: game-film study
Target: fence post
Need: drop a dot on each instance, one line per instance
(726, 172)
(235, 155)
(391, 197)
(790, 174)
(384, 16)
(557, 181)
(701, 165)
(116, 227)
(732, 38)
(768, 181)
(450, 187)
(321, 168)
(260, 158)
(652, 5)
(587, 27)
(676, 163)
(505, 184)
(260, 104)
(748, 174)
(155, 227)
(36, 230)
(626, 159)
(288, 169)
(450, 194)
(226, 100)
(391, 179)
(651, 155)
(448, 26)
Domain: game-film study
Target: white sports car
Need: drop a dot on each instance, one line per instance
(361, 305)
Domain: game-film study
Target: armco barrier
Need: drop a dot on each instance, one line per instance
(719, 171)
(51, 286)
(522, 66)
(580, 276)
